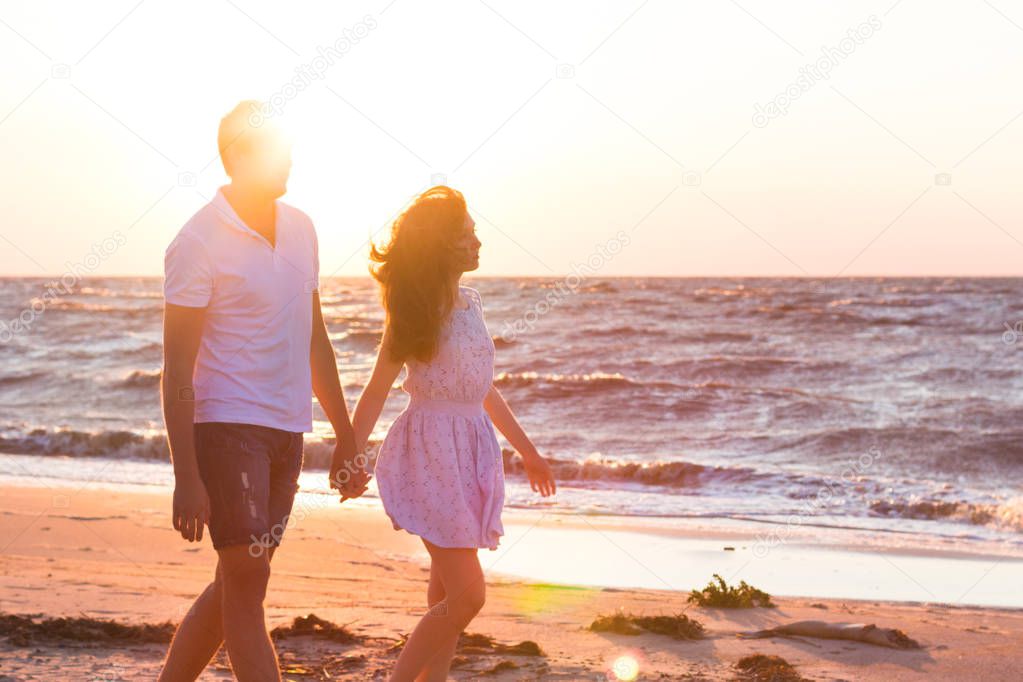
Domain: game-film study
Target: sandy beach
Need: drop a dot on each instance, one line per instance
(112, 555)
(708, 315)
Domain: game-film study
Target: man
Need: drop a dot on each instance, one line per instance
(245, 346)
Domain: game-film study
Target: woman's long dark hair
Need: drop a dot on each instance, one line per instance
(414, 271)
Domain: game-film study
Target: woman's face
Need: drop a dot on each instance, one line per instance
(467, 247)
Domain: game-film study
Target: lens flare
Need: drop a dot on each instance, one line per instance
(535, 599)
(625, 668)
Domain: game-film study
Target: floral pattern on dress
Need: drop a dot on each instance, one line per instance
(439, 469)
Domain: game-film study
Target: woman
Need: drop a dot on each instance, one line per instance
(440, 470)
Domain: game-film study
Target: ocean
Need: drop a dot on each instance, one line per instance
(885, 408)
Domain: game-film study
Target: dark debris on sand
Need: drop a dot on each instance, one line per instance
(314, 626)
(502, 666)
(308, 649)
(680, 626)
(764, 668)
(482, 655)
(325, 667)
(26, 630)
(718, 594)
(474, 643)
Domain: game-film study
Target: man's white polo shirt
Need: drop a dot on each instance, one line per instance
(253, 361)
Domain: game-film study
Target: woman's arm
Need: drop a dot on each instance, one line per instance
(372, 400)
(541, 479)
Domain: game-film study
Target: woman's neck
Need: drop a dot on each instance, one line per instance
(456, 292)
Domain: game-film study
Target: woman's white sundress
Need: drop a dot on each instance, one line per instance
(439, 470)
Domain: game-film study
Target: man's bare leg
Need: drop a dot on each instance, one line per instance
(244, 579)
(199, 636)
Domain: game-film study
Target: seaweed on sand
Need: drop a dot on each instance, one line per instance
(314, 626)
(679, 626)
(24, 630)
(764, 668)
(474, 643)
(719, 594)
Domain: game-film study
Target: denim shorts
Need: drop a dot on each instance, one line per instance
(251, 476)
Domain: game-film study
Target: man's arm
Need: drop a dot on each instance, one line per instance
(346, 474)
(182, 330)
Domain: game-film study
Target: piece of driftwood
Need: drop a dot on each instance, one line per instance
(856, 632)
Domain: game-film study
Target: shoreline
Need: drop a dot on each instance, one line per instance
(112, 555)
(686, 560)
(648, 525)
(87, 471)
(832, 562)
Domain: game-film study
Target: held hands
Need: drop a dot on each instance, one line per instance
(348, 474)
(541, 478)
(191, 509)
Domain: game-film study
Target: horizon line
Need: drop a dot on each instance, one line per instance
(562, 276)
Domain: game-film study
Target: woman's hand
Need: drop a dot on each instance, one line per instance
(541, 478)
(348, 474)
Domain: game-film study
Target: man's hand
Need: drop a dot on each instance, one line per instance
(191, 508)
(348, 474)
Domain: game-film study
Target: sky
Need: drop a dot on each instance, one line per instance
(731, 138)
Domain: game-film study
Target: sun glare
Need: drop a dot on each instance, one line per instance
(625, 668)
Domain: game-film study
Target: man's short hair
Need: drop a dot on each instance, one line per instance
(237, 128)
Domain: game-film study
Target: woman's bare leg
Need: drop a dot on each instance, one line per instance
(428, 651)
(436, 669)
